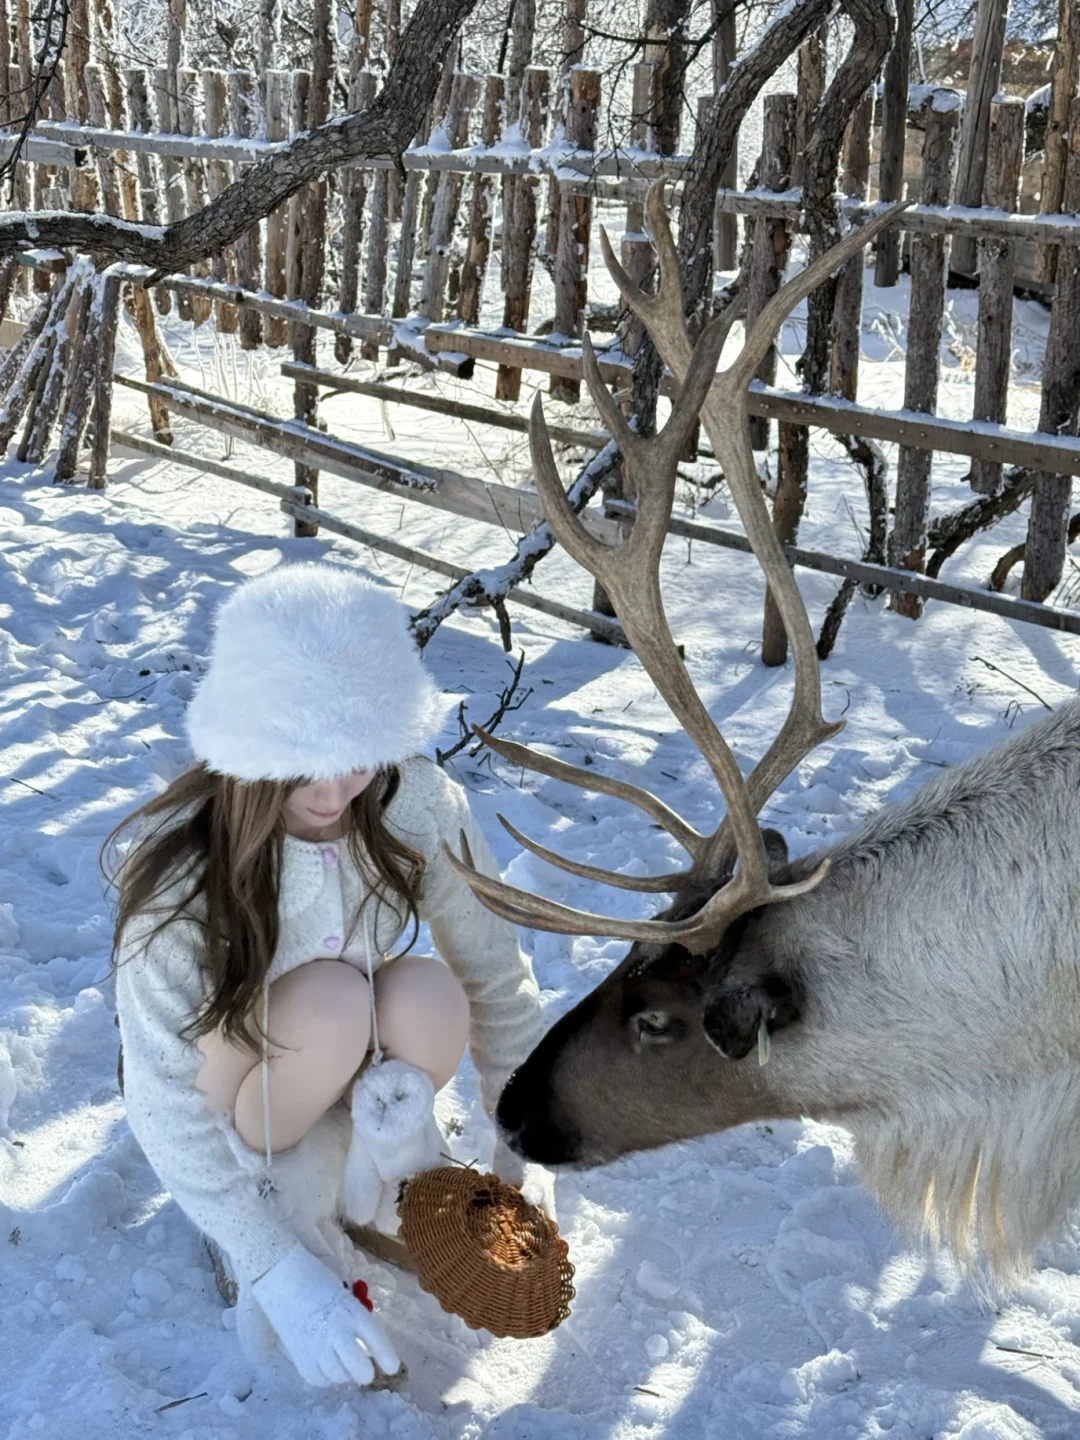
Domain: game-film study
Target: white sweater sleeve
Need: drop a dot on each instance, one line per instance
(158, 990)
(481, 949)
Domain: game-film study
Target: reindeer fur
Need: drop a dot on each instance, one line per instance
(931, 990)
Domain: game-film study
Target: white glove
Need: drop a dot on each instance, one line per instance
(321, 1326)
(535, 1183)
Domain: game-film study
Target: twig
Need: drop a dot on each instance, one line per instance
(504, 708)
(1033, 693)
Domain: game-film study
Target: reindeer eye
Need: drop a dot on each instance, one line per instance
(654, 1026)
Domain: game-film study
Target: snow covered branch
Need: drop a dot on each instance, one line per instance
(490, 587)
(384, 129)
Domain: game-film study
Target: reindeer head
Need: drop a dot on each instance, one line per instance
(662, 1049)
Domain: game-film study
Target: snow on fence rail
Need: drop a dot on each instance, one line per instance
(174, 137)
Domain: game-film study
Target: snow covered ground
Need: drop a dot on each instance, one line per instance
(742, 1287)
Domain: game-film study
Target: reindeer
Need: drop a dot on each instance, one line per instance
(917, 982)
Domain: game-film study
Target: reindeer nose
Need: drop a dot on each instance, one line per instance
(530, 1124)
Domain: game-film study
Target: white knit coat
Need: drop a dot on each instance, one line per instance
(254, 1213)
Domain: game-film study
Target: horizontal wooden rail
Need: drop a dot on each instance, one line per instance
(439, 404)
(967, 596)
(611, 174)
(295, 501)
(511, 510)
(980, 439)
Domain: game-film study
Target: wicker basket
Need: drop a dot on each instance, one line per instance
(485, 1253)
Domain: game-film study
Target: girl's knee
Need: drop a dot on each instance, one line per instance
(423, 1015)
(324, 1001)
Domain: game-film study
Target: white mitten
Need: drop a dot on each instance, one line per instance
(325, 1331)
(535, 1182)
(393, 1114)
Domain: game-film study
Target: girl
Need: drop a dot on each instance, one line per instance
(258, 911)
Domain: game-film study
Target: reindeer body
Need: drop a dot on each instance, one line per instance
(919, 981)
(933, 989)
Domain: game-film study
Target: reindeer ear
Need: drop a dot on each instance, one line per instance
(738, 1006)
(776, 851)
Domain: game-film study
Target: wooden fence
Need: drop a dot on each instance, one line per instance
(409, 250)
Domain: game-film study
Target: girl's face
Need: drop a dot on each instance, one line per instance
(318, 809)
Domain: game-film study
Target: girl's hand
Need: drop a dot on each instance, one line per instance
(325, 1331)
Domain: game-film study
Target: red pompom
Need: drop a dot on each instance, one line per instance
(360, 1290)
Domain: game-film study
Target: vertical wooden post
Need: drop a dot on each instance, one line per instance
(240, 86)
(894, 111)
(984, 77)
(769, 252)
(312, 236)
(573, 53)
(1064, 78)
(997, 269)
(391, 15)
(136, 84)
(166, 106)
(847, 311)
(929, 268)
(97, 114)
(1048, 525)
(463, 93)
(726, 225)
(103, 382)
(353, 199)
(575, 222)
(636, 253)
(519, 241)
(215, 123)
(5, 65)
(278, 82)
(522, 31)
(301, 87)
(809, 88)
(187, 85)
(440, 122)
(410, 204)
(269, 34)
(481, 206)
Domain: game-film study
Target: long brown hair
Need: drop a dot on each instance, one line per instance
(222, 840)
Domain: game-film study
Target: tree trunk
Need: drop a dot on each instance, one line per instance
(987, 51)
(997, 271)
(894, 114)
(929, 268)
(575, 222)
(1047, 535)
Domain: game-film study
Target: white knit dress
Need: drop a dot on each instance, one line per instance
(251, 1212)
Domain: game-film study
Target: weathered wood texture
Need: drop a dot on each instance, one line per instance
(440, 405)
(277, 102)
(997, 272)
(463, 95)
(362, 85)
(929, 269)
(771, 238)
(519, 225)
(984, 78)
(1047, 535)
(575, 222)
(1064, 79)
(244, 119)
(725, 231)
(894, 110)
(481, 209)
(218, 179)
(847, 310)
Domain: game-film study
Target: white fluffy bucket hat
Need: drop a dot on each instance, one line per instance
(313, 673)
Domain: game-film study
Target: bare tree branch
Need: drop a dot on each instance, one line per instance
(385, 129)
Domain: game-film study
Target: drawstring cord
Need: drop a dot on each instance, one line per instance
(376, 1048)
(377, 1053)
(266, 1073)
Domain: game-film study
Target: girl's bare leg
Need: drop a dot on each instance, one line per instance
(320, 1030)
(320, 1033)
(423, 1015)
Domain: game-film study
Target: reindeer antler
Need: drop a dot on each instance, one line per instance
(630, 575)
